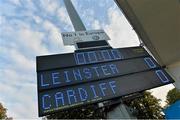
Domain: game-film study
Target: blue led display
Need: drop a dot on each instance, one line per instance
(68, 76)
(80, 58)
(59, 98)
(97, 56)
(150, 62)
(116, 54)
(100, 90)
(45, 103)
(162, 76)
(42, 81)
(78, 94)
(61, 77)
(106, 55)
(87, 57)
(92, 57)
(83, 94)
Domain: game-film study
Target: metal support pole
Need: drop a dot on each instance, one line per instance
(75, 19)
(120, 111)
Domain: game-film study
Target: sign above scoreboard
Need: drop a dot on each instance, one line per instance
(69, 38)
(89, 76)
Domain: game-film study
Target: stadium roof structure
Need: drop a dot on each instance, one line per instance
(157, 23)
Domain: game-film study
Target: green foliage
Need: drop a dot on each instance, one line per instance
(85, 112)
(172, 96)
(147, 107)
(2, 112)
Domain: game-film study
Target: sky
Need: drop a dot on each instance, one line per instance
(30, 28)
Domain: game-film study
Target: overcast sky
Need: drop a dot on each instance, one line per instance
(29, 28)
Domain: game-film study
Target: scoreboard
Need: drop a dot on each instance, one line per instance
(90, 76)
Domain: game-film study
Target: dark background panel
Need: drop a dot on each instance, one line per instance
(124, 67)
(67, 60)
(124, 85)
(53, 61)
(89, 44)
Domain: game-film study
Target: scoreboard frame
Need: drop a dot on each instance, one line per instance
(126, 67)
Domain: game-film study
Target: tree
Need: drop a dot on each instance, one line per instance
(172, 96)
(2, 112)
(84, 112)
(147, 106)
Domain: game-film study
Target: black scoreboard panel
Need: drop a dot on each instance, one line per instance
(89, 44)
(89, 76)
(87, 73)
(87, 57)
(66, 97)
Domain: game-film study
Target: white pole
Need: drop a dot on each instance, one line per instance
(75, 19)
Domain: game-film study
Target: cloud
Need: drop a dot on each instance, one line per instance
(55, 42)
(49, 6)
(96, 25)
(20, 100)
(20, 62)
(22, 38)
(161, 92)
(18, 85)
(37, 19)
(63, 16)
(119, 30)
(32, 40)
(18, 89)
(16, 2)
